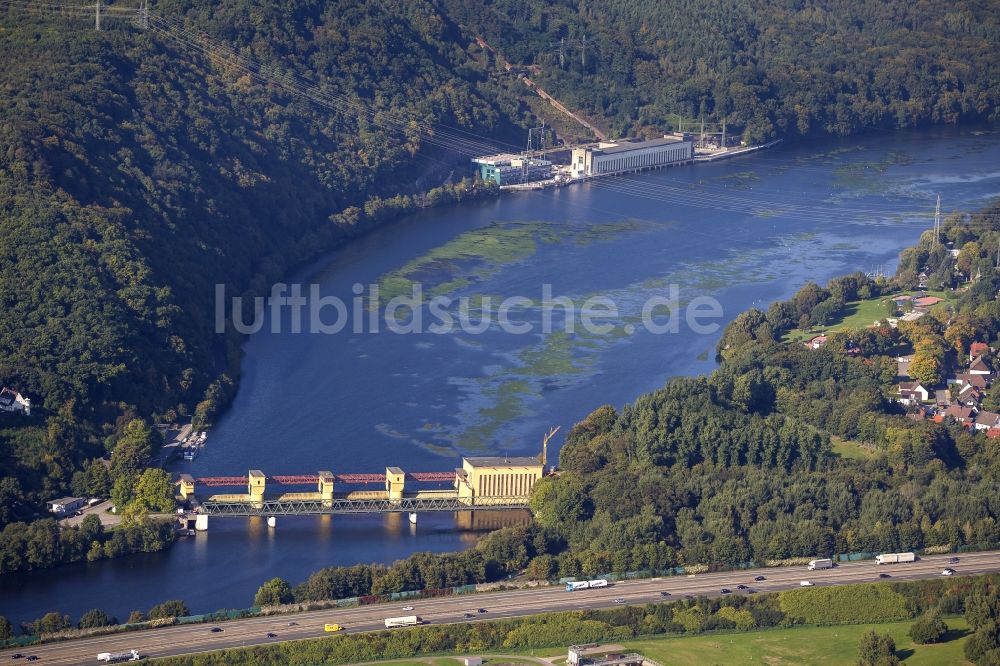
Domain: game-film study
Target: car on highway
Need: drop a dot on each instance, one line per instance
(17, 655)
(759, 578)
(293, 624)
(468, 616)
(31, 657)
(407, 608)
(619, 600)
(664, 594)
(948, 572)
(271, 634)
(805, 583)
(216, 630)
(741, 586)
(483, 610)
(751, 591)
(332, 627)
(953, 560)
(725, 590)
(884, 575)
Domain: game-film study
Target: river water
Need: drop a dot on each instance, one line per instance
(742, 232)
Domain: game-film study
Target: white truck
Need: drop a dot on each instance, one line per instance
(585, 584)
(815, 565)
(895, 558)
(405, 621)
(118, 657)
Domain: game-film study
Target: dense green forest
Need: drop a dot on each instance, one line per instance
(137, 174)
(768, 67)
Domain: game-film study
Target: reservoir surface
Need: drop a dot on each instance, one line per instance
(723, 236)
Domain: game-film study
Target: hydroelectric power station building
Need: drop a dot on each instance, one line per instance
(509, 169)
(631, 155)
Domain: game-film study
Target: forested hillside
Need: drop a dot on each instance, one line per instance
(136, 174)
(770, 67)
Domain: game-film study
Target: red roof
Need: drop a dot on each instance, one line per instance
(978, 349)
(959, 412)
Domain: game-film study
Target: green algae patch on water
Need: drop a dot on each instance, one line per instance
(504, 401)
(474, 256)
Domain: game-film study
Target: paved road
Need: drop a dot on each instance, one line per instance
(252, 631)
(100, 510)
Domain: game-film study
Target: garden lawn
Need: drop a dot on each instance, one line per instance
(801, 645)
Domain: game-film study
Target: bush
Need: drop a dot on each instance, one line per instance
(928, 629)
(984, 641)
(168, 609)
(273, 593)
(876, 649)
(51, 623)
(741, 618)
(95, 618)
(876, 602)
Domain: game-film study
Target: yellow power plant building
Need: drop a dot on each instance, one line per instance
(497, 476)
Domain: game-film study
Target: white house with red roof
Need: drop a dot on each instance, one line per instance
(12, 401)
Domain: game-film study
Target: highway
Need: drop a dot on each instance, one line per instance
(193, 638)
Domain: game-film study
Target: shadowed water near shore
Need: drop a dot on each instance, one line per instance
(745, 232)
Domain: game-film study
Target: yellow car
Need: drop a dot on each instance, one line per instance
(333, 627)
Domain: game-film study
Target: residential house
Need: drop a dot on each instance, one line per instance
(816, 342)
(977, 349)
(912, 393)
(987, 420)
(12, 401)
(976, 381)
(969, 396)
(979, 367)
(66, 505)
(961, 413)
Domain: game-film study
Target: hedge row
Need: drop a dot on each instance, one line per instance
(846, 604)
